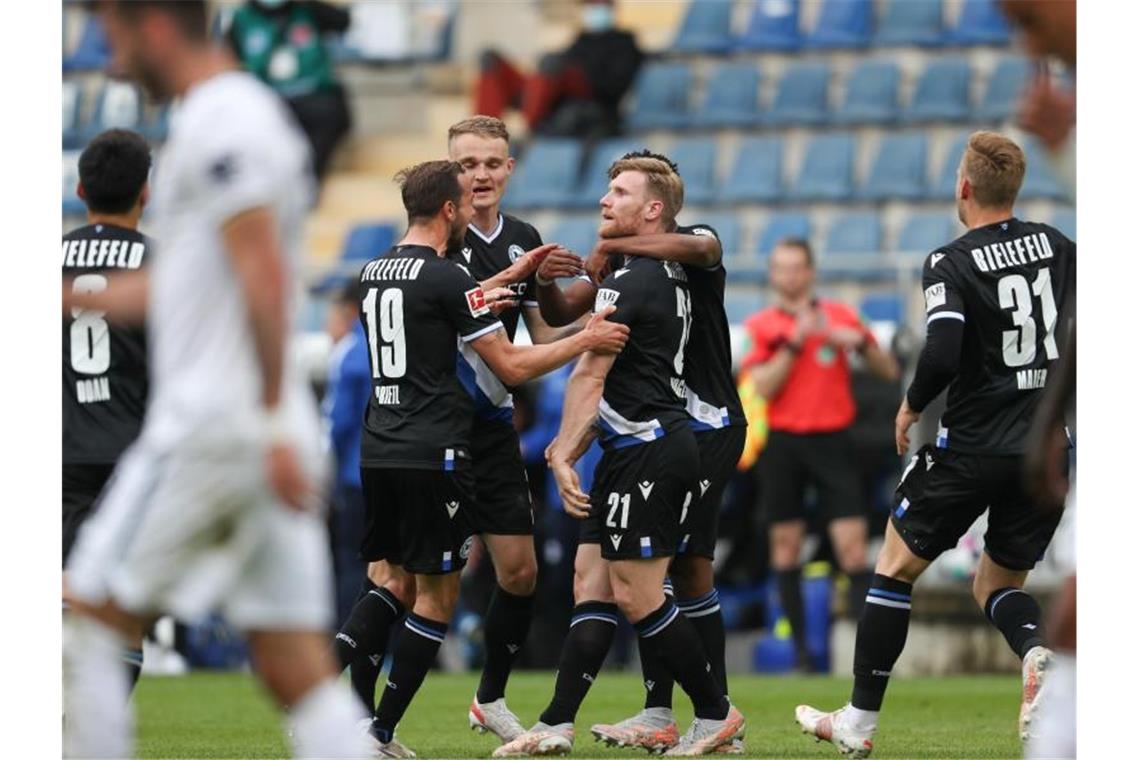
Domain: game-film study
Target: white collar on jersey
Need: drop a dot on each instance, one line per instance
(488, 238)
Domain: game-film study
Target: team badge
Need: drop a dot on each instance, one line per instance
(515, 252)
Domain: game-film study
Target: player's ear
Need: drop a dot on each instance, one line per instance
(144, 195)
(510, 165)
(80, 191)
(653, 210)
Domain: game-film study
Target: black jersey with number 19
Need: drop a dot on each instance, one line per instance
(1007, 282)
(415, 308)
(104, 365)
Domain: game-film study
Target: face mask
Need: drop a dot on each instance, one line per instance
(597, 18)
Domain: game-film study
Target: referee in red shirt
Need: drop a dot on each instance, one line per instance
(799, 363)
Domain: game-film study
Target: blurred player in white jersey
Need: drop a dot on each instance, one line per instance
(214, 506)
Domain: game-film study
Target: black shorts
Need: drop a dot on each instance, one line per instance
(502, 504)
(642, 497)
(419, 519)
(790, 461)
(720, 450)
(943, 492)
(82, 484)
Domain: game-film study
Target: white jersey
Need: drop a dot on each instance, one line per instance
(232, 147)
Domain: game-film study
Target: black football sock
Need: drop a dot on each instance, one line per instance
(365, 632)
(1018, 617)
(879, 640)
(133, 659)
(363, 674)
(859, 585)
(668, 635)
(704, 614)
(412, 657)
(792, 600)
(505, 632)
(656, 677)
(592, 627)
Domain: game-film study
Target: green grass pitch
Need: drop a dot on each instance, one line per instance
(227, 716)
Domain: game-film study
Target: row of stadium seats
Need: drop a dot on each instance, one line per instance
(707, 26)
(549, 174)
(663, 99)
(117, 105)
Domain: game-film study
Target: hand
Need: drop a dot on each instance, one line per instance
(903, 420)
(1044, 472)
(598, 263)
(499, 300)
(287, 479)
(846, 338)
(605, 337)
(574, 501)
(560, 263)
(529, 262)
(807, 322)
(1047, 111)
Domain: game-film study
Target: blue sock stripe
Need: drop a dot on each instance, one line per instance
(670, 615)
(889, 594)
(426, 628)
(602, 616)
(133, 656)
(711, 597)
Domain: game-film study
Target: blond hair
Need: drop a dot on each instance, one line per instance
(995, 166)
(481, 126)
(663, 183)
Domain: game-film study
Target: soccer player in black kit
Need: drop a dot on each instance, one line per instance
(416, 457)
(104, 358)
(993, 297)
(645, 489)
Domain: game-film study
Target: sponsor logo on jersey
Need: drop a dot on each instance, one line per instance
(935, 296)
(646, 488)
(466, 548)
(477, 302)
(605, 297)
(452, 508)
(935, 258)
(515, 252)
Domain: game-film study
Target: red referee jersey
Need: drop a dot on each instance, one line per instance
(816, 397)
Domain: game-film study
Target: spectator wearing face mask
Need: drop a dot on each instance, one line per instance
(576, 91)
(281, 42)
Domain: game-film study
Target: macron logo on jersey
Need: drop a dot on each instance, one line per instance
(620, 272)
(935, 258)
(476, 302)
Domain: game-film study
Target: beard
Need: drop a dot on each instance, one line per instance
(455, 236)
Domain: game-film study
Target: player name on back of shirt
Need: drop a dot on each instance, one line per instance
(1012, 253)
(102, 252)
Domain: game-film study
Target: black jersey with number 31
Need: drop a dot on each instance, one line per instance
(644, 396)
(415, 307)
(1009, 283)
(104, 365)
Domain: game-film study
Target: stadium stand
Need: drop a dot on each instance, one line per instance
(826, 173)
(732, 97)
(771, 27)
(547, 175)
(911, 22)
(1005, 84)
(924, 231)
(696, 158)
(872, 94)
(882, 307)
(1040, 182)
(947, 177)
(757, 171)
(899, 170)
(72, 114)
(854, 242)
(801, 96)
(576, 233)
(595, 179)
(366, 241)
(661, 97)
(1065, 219)
(842, 24)
(72, 206)
(92, 53)
(706, 28)
(789, 224)
(118, 106)
(980, 22)
(942, 92)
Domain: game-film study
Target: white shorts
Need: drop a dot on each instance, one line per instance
(190, 531)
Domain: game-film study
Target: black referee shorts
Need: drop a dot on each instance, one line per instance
(642, 498)
(943, 492)
(418, 519)
(502, 503)
(720, 450)
(791, 461)
(82, 484)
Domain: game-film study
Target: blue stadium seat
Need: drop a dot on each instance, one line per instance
(696, 159)
(787, 224)
(882, 307)
(578, 234)
(93, 52)
(1065, 219)
(947, 178)
(1003, 89)
(899, 169)
(842, 24)
(72, 206)
(547, 174)
(872, 95)
(757, 173)
(661, 97)
(118, 106)
(827, 170)
(72, 114)
(727, 228)
(706, 28)
(732, 97)
(942, 92)
(740, 305)
(925, 231)
(801, 95)
(911, 22)
(772, 25)
(980, 22)
(853, 249)
(367, 241)
(596, 180)
(1040, 182)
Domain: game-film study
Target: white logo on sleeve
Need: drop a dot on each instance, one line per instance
(935, 258)
(606, 297)
(935, 296)
(646, 488)
(702, 231)
(466, 251)
(620, 272)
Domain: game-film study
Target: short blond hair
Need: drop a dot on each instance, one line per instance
(482, 126)
(664, 184)
(995, 166)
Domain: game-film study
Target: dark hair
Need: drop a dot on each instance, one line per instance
(348, 293)
(192, 16)
(803, 245)
(426, 187)
(647, 153)
(113, 169)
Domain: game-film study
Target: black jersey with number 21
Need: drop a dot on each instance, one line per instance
(104, 365)
(1008, 283)
(415, 307)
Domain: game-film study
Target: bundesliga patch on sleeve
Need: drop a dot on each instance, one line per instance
(935, 296)
(477, 302)
(605, 298)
